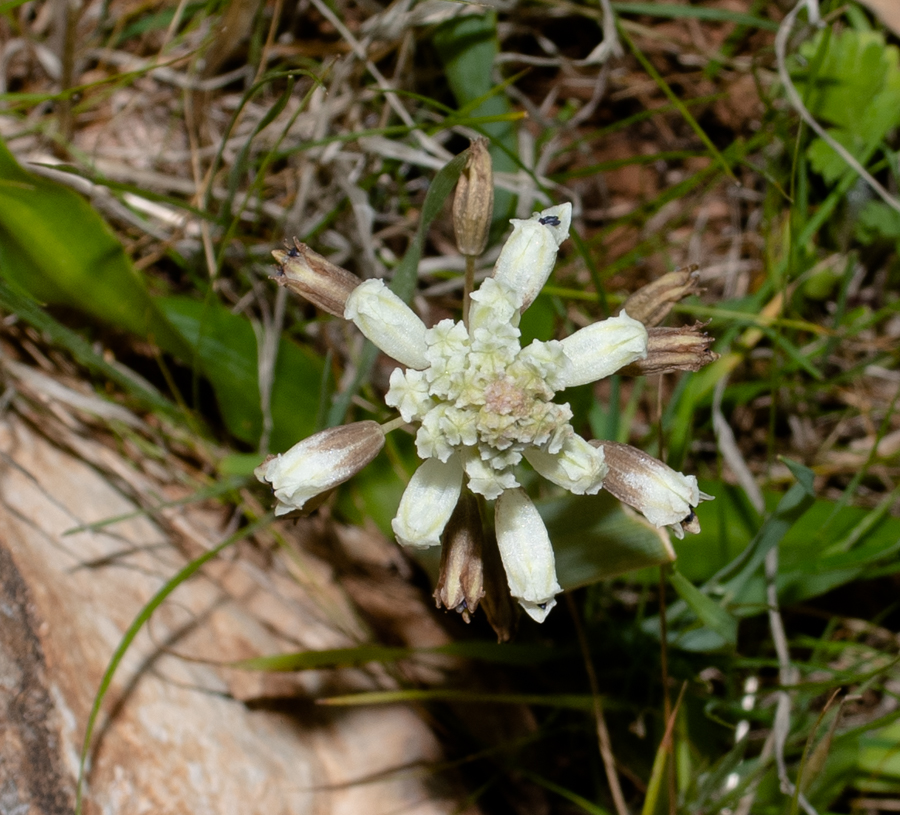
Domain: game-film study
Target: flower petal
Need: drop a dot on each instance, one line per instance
(529, 255)
(320, 463)
(578, 467)
(527, 554)
(428, 502)
(388, 322)
(602, 348)
(665, 497)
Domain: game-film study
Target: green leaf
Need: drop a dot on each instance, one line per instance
(504, 654)
(56, 248)
(877, 221)
(572, 701)
(81, 350)
(225, 352)
(708, 611)
(855, 87)
(595, 539)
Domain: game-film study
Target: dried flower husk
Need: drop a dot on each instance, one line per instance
(314, 277)
(473, 204)
(652, 303)
(303, 475)
(460, 585)
(662, 495)
(685, 348)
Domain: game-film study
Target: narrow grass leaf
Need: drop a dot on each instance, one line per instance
(81, 350)
(570, 701)
(146, 612)
(708, 611)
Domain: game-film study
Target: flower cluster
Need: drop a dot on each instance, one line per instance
(482, 404)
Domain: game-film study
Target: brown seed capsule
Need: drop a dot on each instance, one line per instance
(652, 303)
(473, 204)
(461, 582)
(314, 277)
(684, 348)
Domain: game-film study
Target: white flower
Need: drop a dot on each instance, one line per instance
(428, 502)
(483, 402)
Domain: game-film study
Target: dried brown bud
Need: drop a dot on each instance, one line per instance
(501, 610)
(652, 303)
(685, 348)
(461, 582)
(314, 277)
(473, 205)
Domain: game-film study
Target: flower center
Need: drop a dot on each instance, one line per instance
(505, 396)
(483, 395)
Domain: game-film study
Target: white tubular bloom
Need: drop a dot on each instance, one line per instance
(388, 322)
(526, 553)
(578, 467)
(320, 463)
(529, 255)
(603, 348)
(428, 502)
(662, 495)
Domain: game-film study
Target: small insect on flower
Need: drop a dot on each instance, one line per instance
(549, 220)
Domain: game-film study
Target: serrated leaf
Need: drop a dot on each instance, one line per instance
(855, 87)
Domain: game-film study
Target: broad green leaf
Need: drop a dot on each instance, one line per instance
(55, 247)
(225, 352)
(739, 582)
(595, 539)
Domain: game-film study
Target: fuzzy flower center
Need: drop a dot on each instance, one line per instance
(484, 396)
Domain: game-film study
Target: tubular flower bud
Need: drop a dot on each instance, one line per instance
(319, 464)
(460, 585)
(602, 349)
(428, 502)
(684, 348)
(526, 553)
(388, 322)
(662, 495)
(314, 277)
(652, 303)
(529, 255)
(473, 204)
